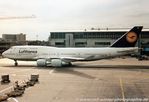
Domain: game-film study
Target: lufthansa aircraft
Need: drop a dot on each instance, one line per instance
(58, 57)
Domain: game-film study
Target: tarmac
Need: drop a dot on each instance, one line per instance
(114, 80)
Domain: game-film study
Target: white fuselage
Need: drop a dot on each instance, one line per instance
(45, 52)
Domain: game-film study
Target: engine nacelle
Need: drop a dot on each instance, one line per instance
(59, 63)
(56, 62)
(53, 62)
(41, 62)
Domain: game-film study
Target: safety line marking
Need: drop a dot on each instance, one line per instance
(13, 99)
(122, 89)
(6, 89)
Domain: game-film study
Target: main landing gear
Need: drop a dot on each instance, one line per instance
(69, 64)
(16, 63)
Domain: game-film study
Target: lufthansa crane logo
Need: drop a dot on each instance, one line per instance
(131, 37)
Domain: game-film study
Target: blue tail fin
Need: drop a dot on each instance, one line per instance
(129, 39)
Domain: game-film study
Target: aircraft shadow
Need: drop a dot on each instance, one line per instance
(73, 72)
(113, 66)
(85, 66)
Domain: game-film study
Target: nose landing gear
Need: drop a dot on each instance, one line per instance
(16, 63)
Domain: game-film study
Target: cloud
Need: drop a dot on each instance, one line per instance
(53, 15)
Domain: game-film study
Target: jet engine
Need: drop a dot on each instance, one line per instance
(41, 62)
(56, 62)
(59, 63)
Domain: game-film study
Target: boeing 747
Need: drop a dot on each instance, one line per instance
(58, 57)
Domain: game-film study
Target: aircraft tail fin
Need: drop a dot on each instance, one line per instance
(129, 39)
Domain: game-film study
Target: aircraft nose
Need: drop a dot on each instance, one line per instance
(3, 54)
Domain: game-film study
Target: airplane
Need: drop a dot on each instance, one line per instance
(59, 57)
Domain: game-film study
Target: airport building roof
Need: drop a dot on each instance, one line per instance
(99, 30)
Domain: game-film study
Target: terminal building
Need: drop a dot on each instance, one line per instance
(89, 39)
(9, 40)
(101, 38)
(14, 37)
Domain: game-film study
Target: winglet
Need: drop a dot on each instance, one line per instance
(129, 39)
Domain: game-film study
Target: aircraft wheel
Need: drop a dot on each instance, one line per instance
(70, 64)
(16, 63)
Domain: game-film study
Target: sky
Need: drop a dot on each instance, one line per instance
(69, 15)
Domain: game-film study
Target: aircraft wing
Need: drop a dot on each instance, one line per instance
(66, 59)
(71, 59)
